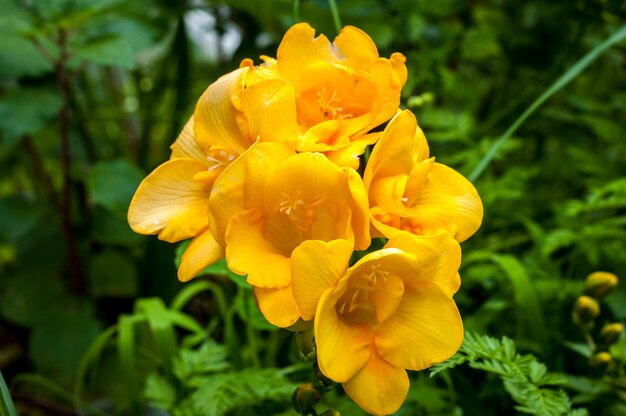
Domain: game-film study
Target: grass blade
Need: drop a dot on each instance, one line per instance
(6, 405)
(565, 79)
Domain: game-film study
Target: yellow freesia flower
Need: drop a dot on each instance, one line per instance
(268, 202)
(410, 191)
(234, 112)
(342, 90)
(391, 311)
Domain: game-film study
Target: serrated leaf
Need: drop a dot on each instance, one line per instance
(160, 392)
(209, 358)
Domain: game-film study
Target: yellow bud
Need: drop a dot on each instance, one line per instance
(601, 360)
(611, 332)
(585, 311)
(330, 412)
(600, 284)
(305, 397)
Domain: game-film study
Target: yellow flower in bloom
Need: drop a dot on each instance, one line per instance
(410, 191)
(268, 202)
(391, 311)
(234, 112)
(342, 90)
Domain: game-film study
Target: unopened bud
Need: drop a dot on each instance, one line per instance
(611, 332)
(600, 284)
(601, 360)
(585, 311)
(330, 412)
(326, 382)
(304, 398)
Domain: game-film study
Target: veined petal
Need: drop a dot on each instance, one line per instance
(298, 49)
(447, 201)
(241, 185)
(379, 388)
(216, 117)
(342, 349)
(439, 258)
(425, 329)
(201, 253)
(269, 108)
(169, 202)
(277, 305)
(248, 252)
(315, 267)
(395, 152)
(360, 214)
(349, 156)
(186, 146)
(357, 48)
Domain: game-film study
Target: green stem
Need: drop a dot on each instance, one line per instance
(296, 11)
(558, 85)
(335, 12)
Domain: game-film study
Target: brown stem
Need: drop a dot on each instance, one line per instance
(48, 408)
(76, 275)
(40, 170)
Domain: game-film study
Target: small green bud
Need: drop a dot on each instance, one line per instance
(601, 360)
(600, 284)
(610, 333)
(586, 309)
(304, 398)
(326, 382)
(330, 412)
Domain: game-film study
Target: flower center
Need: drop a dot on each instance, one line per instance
(411, 225)
(219, 158)
(302, 212)
(330, 105)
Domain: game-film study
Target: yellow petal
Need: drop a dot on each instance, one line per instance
(278, 306)
(169, 202)
(186, 146)
(216, 117)
(425, 329)
(270, 110)
(379, 388)
(241, 185)
(349, 156)
(315, 267)
(399, 68)
(342, 349)
(360, 212)
(357, 48)
(439, 258)
(249, 252)
(395, 152)
(200, 253)
(447, 201)
(298, 49)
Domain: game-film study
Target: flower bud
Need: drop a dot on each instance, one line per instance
(611, 332)
(601, 360)
(585, 311)
(600, 284)
(330, 412)
(304, 398)
(326, 382)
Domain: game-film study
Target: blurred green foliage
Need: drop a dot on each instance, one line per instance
(93, 92)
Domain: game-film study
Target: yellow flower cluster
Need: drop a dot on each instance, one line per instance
(264, 174)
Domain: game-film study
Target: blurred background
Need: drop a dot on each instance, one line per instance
(92, 93)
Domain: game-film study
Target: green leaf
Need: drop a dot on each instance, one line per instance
(6, 406)
(571, 73)
(57, 343)
(579, 347)
(112, 229)
(159, 392)
(209, 358)
(112, 274)
(113, 184)
(108, 50)
(26, 111)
